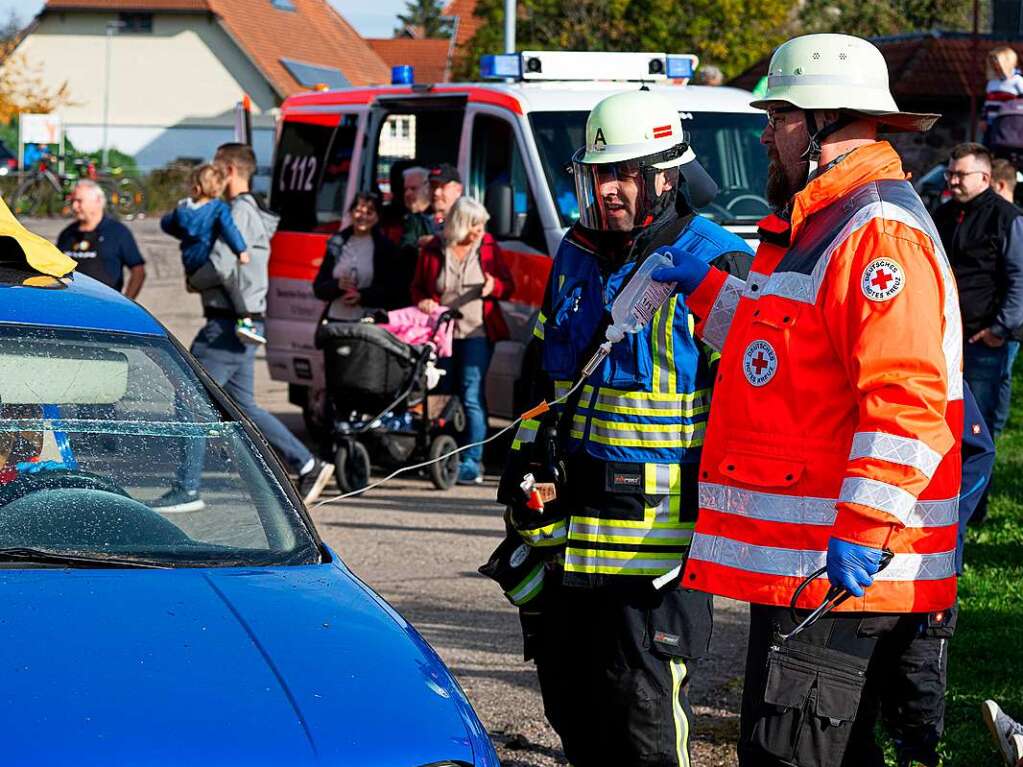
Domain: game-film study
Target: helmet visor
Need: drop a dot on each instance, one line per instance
(615, 196)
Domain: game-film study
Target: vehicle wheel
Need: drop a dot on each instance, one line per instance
(351, 466)
(35, 196)
(128, 198)
(444, 473)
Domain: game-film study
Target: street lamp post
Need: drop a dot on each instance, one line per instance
(509, 26)
(112, 29)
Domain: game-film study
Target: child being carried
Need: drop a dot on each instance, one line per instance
(199, 221)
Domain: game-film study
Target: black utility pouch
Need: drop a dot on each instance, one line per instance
(681, 625)
(811, 695)
(518, 569)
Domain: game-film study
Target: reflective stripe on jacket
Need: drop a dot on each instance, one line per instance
(840, 391)
(639, 419)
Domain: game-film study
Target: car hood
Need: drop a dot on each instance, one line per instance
(288, 665)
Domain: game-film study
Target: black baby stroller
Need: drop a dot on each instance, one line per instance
(379, 392)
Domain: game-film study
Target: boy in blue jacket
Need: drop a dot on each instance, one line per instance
(201, 219)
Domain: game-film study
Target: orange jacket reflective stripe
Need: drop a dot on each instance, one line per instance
(838, 406)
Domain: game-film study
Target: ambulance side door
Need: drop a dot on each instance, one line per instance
(315, 163)
(499, 177)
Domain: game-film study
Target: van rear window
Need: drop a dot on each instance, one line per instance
(311, 169)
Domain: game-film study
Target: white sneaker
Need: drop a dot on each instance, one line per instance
(246, 331)
(311, 484)
(1007, 732)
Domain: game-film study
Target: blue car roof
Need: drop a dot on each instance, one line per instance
(81, 303)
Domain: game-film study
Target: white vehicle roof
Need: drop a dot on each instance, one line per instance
(583, 96)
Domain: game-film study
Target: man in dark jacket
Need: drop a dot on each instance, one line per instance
(983, 236)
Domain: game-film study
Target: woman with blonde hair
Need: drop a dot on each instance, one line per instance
(1004, 80)
(466, 271)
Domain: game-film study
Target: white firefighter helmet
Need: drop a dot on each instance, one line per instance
(631, 138)
(634, 125)
(827, 72)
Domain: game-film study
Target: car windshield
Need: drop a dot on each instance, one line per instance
(95, 427)
(727, 145)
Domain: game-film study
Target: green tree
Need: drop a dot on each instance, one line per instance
(425, 17)
(730, 33)
(875, 19)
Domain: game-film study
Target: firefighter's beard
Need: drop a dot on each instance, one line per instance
(784, 182)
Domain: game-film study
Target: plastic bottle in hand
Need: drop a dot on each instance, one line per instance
(639, 299)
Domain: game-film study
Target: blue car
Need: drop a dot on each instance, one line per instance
(230, 635)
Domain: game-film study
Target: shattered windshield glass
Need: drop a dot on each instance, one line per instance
(97, 428)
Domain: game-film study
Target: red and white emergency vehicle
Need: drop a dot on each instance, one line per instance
(511, 141)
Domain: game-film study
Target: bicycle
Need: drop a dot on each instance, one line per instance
(46, 192)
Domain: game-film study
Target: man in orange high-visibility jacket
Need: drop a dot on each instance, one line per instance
(837, 416)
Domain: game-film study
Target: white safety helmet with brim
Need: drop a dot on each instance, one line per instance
(825, 72)
(630, 138)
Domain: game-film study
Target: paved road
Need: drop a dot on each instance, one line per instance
(420, 549)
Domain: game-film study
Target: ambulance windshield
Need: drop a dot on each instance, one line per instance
(727, 145)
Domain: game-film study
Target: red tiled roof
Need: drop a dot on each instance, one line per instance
(314, 33)
(468, 22)
(128, 5)
(429, 56)
(922, 67)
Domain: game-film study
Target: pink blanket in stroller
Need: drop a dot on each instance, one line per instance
(417, 327)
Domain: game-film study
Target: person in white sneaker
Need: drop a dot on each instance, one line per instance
(219, 349)
(1007, 732)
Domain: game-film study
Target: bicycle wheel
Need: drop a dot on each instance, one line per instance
(127, 197)
(35, 196)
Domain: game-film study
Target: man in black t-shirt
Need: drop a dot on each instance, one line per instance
(103, 247)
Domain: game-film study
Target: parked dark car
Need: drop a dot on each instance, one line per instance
(932, 187)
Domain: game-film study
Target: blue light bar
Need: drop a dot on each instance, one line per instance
(402, 74)
(679, 67)
(501, 65)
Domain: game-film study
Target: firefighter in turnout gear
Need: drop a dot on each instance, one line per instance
(841, 367)
(601, 491)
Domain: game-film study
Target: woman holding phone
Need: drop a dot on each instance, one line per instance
(466, 272)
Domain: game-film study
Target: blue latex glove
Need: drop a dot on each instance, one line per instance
(687, 273)
(852, 566)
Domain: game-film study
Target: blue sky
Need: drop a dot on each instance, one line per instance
(373, 18)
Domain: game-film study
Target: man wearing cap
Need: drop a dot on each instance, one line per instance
(841, 367)
(445, 188)
(613, 636)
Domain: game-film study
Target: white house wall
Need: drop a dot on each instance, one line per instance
(172, 91)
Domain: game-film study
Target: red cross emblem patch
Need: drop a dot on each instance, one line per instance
(882, 279)
(759, 363)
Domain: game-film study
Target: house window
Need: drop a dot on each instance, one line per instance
(136, 22)
(283, 5)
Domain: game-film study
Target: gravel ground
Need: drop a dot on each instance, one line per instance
(420, 548)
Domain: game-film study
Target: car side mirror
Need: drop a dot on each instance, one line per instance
(500, 204)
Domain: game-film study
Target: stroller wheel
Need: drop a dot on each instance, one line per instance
(444, 473)
(351, 466)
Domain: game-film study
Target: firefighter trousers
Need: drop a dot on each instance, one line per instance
(814, 700)
(614, 665)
